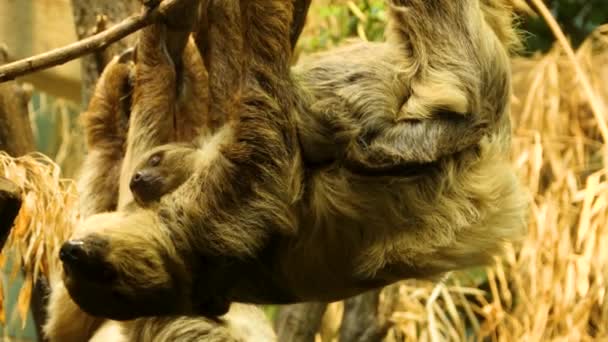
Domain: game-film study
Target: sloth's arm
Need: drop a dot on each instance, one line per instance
(105, 124)
(237, 197)
(458, 87)
(406, 146)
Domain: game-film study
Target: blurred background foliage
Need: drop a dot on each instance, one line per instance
(578, 18)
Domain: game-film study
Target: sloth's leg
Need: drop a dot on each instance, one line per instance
(408, 147)
(220, 40)
(192, 118)
(105, 124)
(458, 87)
(152, 121)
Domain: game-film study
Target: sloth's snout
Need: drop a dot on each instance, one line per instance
(85, 260)
(146, 186)
(137, 178)
(140, 181)
(72, 251)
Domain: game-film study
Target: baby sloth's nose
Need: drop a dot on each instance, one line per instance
(139, 180)
(72, 251)
(137, 177)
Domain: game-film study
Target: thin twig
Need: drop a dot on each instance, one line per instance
(88, 45)
(596, 106)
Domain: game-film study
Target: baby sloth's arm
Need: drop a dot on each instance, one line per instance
(162, 170)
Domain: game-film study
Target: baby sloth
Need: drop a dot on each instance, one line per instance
(162, 170)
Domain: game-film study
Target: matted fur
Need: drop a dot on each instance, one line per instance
(368, 164)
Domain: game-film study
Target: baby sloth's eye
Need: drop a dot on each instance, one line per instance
(154, 160)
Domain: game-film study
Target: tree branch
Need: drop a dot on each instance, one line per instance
(98, 41)
(90, 18)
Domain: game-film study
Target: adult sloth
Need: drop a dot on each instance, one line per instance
(369, 164)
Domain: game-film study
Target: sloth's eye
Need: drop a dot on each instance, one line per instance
(154, 160)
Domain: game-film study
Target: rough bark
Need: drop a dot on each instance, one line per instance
(16, 137)
(91, 16)
(299, 322)
(361, 320)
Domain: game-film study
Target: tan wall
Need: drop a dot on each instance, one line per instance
(29, 27)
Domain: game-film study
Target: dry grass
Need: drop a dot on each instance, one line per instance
(553, 286)
(47, 215)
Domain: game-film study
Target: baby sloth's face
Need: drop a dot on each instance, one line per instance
(161, 171)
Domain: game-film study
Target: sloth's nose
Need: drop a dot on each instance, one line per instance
(138, 177)
(72, 251)
(85, 261)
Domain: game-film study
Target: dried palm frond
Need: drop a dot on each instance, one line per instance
(45, 220)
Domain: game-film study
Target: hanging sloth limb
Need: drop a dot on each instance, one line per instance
(143, 98)
(373, 163)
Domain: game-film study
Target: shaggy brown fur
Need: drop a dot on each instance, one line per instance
(105, 125)
(67, 322)
(369, 164)
(106, 122)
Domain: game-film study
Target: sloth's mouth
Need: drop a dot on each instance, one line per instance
(107, 301)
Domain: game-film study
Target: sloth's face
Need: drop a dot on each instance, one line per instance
(161, 171)
(120, 266)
